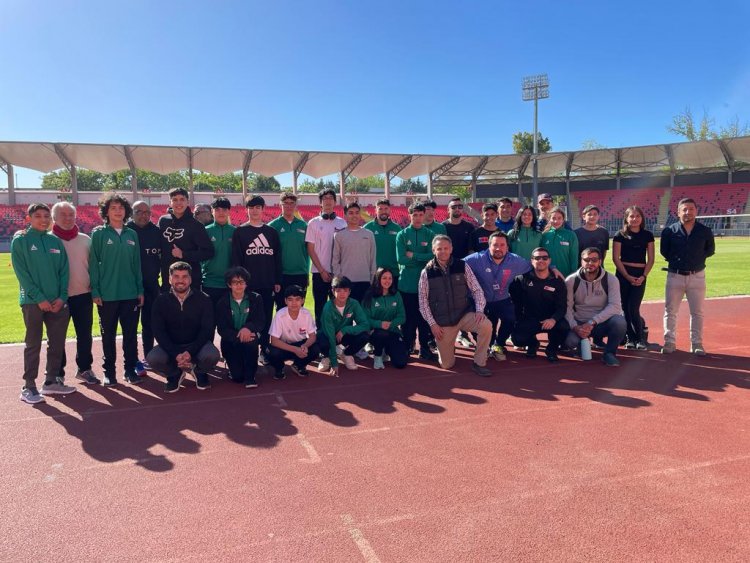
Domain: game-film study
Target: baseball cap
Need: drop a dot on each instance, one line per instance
(542, 197)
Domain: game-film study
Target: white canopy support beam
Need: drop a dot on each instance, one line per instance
(245, 170)
(346, 172)
(70, 167)
(670, 155)
(190, 176)
(727, 157)
(7, 167)
(521, 172)
(618, 166)
(478, 169)
(298, 169)
(393, 172)
(133, 171)
(568, 168)
(439, 171)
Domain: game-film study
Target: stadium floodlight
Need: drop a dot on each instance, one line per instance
(535, 87)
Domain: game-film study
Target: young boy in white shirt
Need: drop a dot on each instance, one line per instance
(293, 335)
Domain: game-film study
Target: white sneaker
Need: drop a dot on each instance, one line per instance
(57, 389)
(698, 349)
(497, 353)
(386, 357)
(378, 363)
(324, 365)
(349, 363)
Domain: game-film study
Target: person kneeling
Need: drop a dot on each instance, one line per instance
(293, 335)
(183, 325)
(446, 290)
(239, 321)
(386, 313)
(343, 322)
(540, 301)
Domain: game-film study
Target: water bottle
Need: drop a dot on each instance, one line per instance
(585, 349)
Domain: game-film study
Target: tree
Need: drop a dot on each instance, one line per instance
(591, 145)
(414, 186)
(684, 125)
(365, 185)
(523, 143)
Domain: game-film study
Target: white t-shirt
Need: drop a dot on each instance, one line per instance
(320, 232)
(285, 328)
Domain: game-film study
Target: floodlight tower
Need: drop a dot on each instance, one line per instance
(535, 87)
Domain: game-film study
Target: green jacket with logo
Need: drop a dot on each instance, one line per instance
(115, 264)
(332, 321)
(294, 258)
(385, 308)
(385, 244)
(213, 270)
(41, 266)
(418, 241)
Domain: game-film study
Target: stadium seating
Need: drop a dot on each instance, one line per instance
(612, 205)
(713, 199)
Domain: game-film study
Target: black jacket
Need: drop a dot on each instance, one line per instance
(534, 298)
(256, 319)
(687, 252)
(190, 236)
(258, 250)
(183, 327)
(149, 239)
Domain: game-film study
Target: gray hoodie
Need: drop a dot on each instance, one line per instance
(590, 301)
(354, 255)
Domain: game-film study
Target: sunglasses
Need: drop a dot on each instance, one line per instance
(591, 260)
(456, 206)
(540, 257)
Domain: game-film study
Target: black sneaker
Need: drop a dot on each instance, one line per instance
(109, 381)
(202, 382)
(598, 344)
(250, 384)
(428, 356)
(300, 371)
(279, 375)
(551, 355)
(133, 378)
(531, 351)
(172, 386)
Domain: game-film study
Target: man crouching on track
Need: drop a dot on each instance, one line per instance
(183, 324)
(447, 291)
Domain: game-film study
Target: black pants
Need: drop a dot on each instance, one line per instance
(502, 312)
(414, 321)
(147, 334)
(525, 331)
(126, 313)
(161, 362)
(352, 343)
(321, 294)
(267, 295)
(242, 359)
(82, 314)
(392, 344)
(301, 280)
(215, 293)
(632, 297)
(276, 356)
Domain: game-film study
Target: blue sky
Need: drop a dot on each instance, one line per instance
(387, 76)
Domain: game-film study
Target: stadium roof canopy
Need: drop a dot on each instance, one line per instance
(726, 155)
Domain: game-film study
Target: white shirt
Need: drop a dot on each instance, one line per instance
(78, 250)
(320, 232)
(290, 330)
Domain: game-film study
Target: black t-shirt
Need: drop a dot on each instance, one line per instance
(460, 236)
(598, 238)
(633, 247)
(480, 239)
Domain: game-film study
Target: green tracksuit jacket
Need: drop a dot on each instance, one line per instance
(41, 266)
(418, 241)
(332, 322)
(385, 244)
(386, 308)
(213, 270)
(115, 264)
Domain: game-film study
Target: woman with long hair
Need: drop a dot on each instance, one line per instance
(525, 235)
(561, 243)
(633, 255)
(385, 310)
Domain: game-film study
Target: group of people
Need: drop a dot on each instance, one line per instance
(377, 289)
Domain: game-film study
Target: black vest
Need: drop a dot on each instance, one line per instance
(449, 292)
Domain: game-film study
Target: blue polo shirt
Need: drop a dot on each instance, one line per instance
(496, 278)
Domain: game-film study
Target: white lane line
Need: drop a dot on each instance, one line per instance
(362, 544)
(52, 475)
(313, 456)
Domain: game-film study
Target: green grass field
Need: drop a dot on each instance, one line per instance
(728, 273)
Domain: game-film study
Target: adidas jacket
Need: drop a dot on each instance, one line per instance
(115, 264)
(41, 266)
(258, 250)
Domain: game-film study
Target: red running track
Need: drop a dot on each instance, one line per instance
(571, 462)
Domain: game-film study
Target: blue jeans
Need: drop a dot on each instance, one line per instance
(613, 329)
